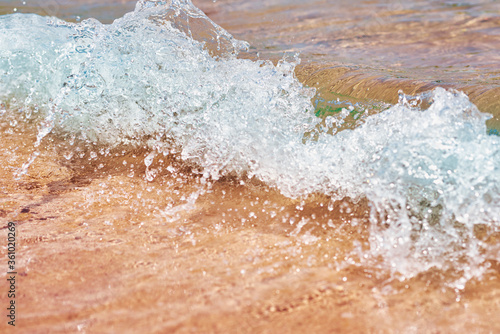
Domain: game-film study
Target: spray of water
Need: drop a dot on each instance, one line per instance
(168, 78)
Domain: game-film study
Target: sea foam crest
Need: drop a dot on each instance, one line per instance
(434, 186)
(151, 78)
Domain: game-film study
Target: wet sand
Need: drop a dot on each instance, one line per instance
(101, 250)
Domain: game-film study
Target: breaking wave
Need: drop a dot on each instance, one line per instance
(168, 78)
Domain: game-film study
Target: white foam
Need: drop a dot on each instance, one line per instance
(432, 176)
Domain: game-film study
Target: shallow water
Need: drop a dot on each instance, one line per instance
(239, 192)
(363, 50)
(380, 46)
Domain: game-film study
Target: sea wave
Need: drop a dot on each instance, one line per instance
(168, 78)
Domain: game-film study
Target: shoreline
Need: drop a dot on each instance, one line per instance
(96, 255)
(108, 244)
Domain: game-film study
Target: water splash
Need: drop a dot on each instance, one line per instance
(434, 187)
(187, 18)
(167, 78)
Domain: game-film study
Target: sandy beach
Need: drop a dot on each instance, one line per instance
(113, 239)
